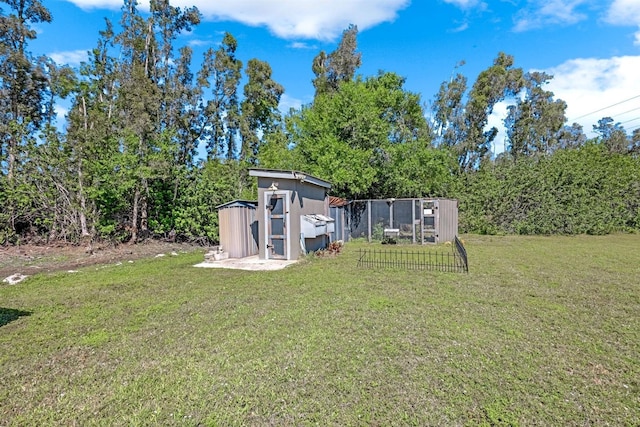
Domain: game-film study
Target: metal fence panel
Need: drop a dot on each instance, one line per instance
(415, 220)
(380, 218)
(358, 219)
(403, 220)
(454, 260)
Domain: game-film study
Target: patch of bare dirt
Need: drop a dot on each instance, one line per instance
(33, 259)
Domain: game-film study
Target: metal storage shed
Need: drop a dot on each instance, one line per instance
(292, 213)
(238, 228)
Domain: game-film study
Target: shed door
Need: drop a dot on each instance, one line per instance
(277, 226)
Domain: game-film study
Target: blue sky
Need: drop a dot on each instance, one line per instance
(592, 47)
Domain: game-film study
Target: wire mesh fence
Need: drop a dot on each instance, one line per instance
(411, 220)
(454, 260)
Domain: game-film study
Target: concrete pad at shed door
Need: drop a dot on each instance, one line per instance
(252, 263)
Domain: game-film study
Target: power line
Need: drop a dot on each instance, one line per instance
(632, 120)
(628, 111)
(604, 108)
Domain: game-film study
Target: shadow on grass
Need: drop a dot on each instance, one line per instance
(8, 315)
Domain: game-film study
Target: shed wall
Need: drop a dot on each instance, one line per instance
(304, 198)
(238, 229)
(447, 220)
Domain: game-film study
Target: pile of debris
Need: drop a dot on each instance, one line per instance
(216, 254)
(14, 279)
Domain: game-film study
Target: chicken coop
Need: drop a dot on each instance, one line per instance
(292, 213)
(419, 221)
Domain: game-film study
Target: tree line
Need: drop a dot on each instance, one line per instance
(125, 165)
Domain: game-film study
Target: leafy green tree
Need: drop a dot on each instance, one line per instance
(179, 99)
(138, 103)
(23, 79)
(534, 122)
(448, 111)
(612, 135)
(340, 65)
(260, 114)
(571, 136)
(149, 108)
(419, 170)
(461, 123)
(25, 110)
(492, 85)
(218, 181)
(356, 136)
(89, 144)
(223, 108)
(276, 150)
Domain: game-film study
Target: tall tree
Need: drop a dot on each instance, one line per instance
(25, 95)
(461, 125)
(448, 110)
(175, 143)
(171, 74)
(353, 137)
(534, 122)
(260, 114)
(223, 107)
(570, 137)
(340, 65)
(149, 105)
(492, 85)
(138, 106)
(91, 144)
(23, 80)
(612, 135)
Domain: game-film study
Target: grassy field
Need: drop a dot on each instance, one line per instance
(542, 331)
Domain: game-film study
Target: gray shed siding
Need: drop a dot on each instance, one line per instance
(304, 197)
(238, 228)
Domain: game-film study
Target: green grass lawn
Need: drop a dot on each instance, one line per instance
(542, 331)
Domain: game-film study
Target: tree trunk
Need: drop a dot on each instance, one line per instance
(83, 203)
(134, 217)
(144, 210)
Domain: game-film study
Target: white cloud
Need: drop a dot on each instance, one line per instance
(460, 28)
(625, 12)
(287, 102)
(61, 116)
(301, 45)
(311, 19)
(72, 57)
(541, 13)
(466, 4)
(98, 4)
(597, 88)
(593, 89)
(496, 119)
(200, 42)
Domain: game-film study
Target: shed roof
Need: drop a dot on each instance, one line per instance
(337, 202)
(287, 174)
(238, 204)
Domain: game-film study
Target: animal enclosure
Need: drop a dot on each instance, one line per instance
(406, 220)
